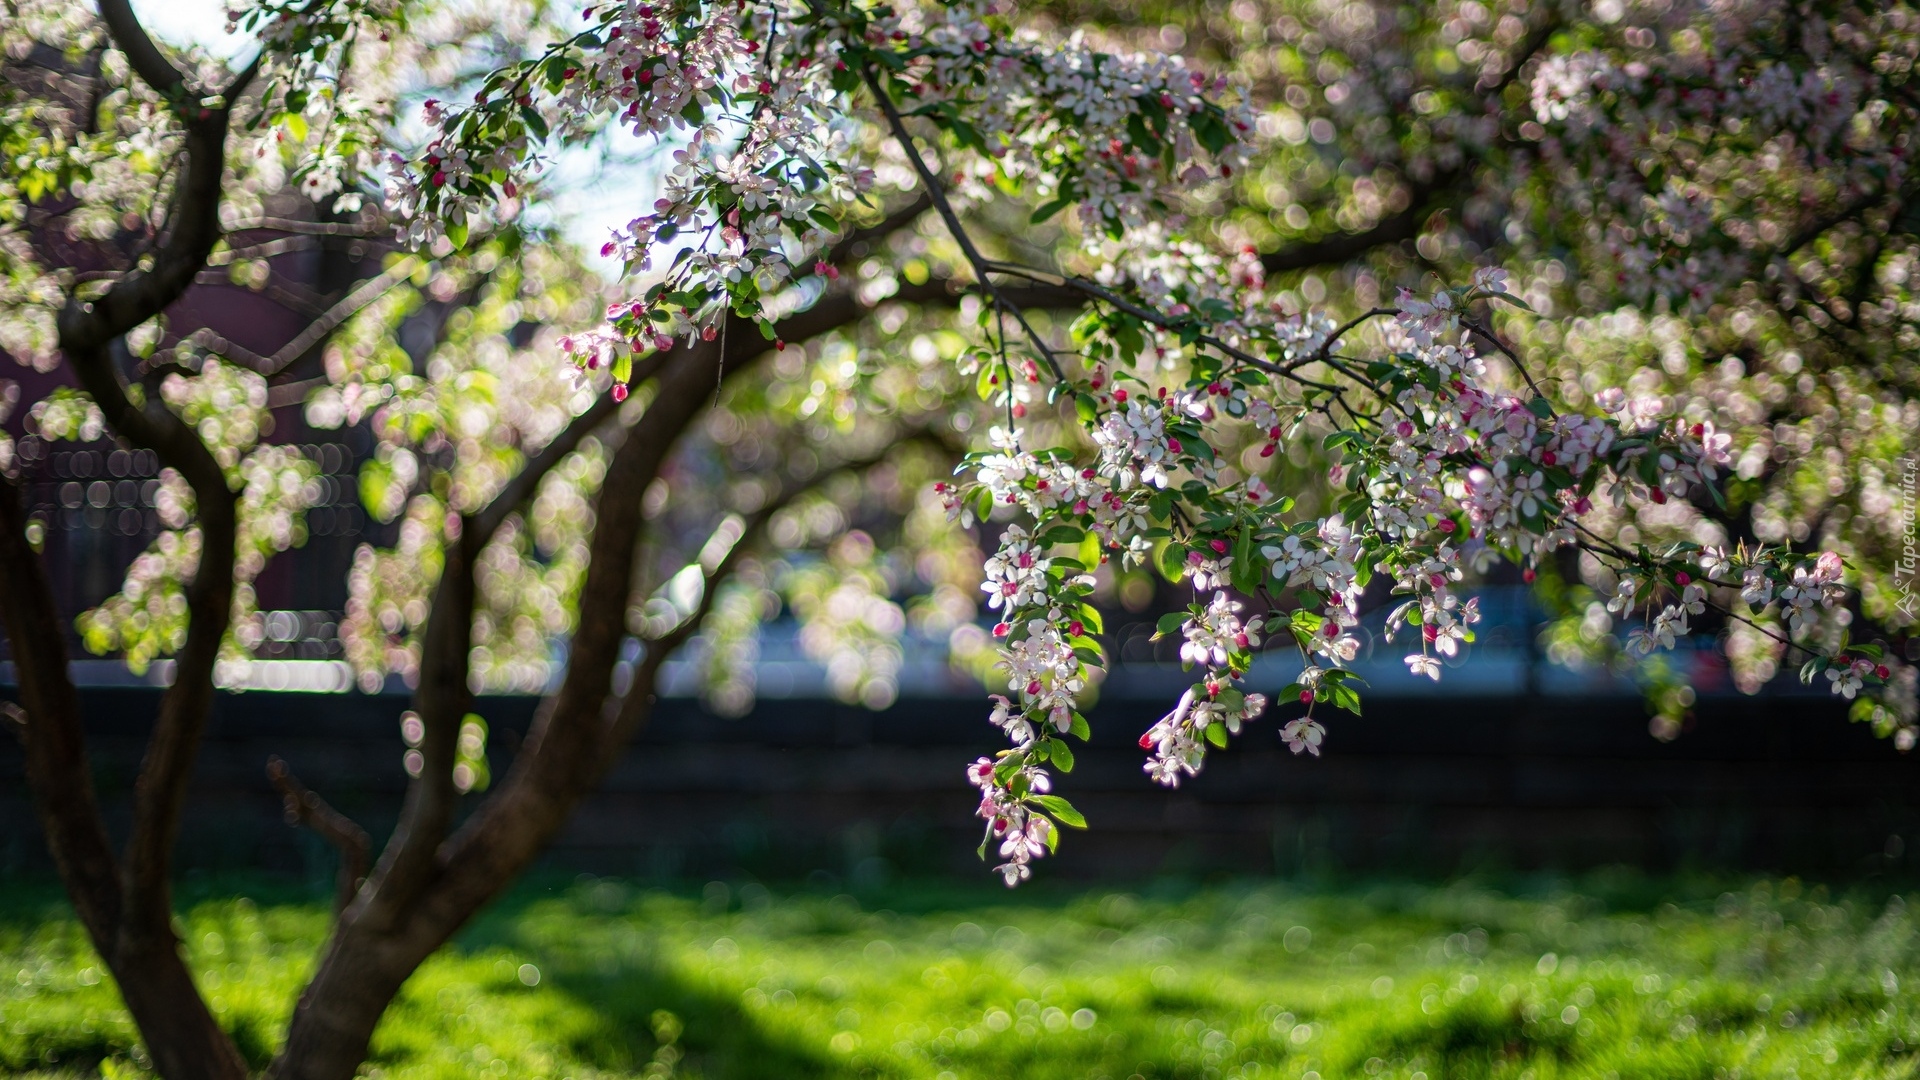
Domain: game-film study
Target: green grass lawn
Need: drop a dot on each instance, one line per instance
(599, 979)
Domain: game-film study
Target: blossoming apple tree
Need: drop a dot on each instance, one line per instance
(1143, 379)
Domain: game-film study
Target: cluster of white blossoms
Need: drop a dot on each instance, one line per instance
(760, 104)
(1448, 459)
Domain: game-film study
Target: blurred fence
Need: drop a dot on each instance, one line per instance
(1514, 766)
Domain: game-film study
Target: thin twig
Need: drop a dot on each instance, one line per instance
(305, 807)
(938, 194)
(1518, 364)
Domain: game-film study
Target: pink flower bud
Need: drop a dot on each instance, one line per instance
(1306, 697)
(1219, 546)
(619, 391)
(1528, 575)
(1174, 445)
(1001, 629)
(1146, 741)
(1119, 395)
(1076, 628)
(1683, 579)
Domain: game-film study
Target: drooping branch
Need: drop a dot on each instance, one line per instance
(305, 807)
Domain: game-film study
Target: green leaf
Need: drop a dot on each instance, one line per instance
(1086, 407)
(1210, 131)
(1540, 407)
(1090, 617)
(1049, 209)
(457, 235)
(536, 123)
(984, 385)
(1217, 735)
(1061, 754)
(1169, 623)
(1061, 810)
(1173, 560)
(1081, 729)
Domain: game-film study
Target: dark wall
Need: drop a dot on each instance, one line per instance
(1778, 784)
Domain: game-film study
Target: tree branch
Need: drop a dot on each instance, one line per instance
(843, 248)
(305, 807)
(304, 228)
(316, 331)
(931, 185)
(58, 772)
(142, 55)
(1423, 201)
(88, 333)
(1518, 364)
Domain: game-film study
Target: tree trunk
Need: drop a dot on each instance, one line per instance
(139, 948)
(183, 1038)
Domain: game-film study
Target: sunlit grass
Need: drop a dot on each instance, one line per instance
(1772, 979)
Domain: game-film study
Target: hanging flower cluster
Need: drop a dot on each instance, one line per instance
(1442, 470)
